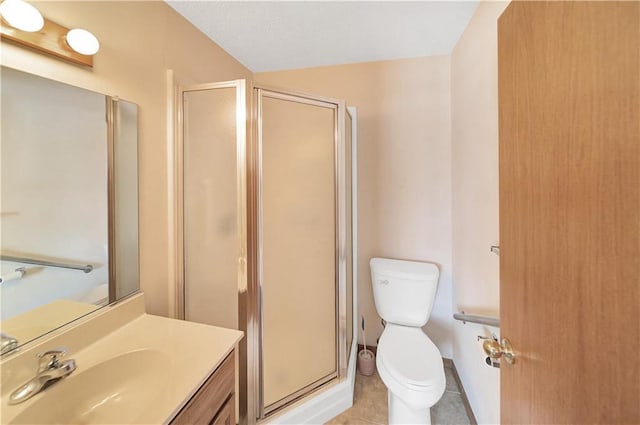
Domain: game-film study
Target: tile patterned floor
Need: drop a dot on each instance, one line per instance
(370, 404)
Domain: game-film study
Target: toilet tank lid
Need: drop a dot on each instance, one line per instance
(403, 268)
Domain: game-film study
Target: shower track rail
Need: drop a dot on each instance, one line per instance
(481, 320)
(86, 268)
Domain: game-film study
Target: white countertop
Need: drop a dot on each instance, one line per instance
(143, 371)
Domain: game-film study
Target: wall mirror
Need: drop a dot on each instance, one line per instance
(68, 204)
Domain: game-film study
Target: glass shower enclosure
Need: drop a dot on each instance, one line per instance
(267, 235)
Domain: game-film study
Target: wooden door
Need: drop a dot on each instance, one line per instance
(569, 96)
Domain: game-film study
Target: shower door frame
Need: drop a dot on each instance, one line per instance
(251, 409)
(255, 370)
(245, 317)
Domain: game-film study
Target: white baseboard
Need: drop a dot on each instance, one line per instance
(324, 405)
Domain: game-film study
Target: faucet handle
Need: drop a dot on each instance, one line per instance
(8, 343)
(49, 359)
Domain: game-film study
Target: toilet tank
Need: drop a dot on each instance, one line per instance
(404, 291)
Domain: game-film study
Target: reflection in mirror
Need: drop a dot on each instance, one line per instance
(68, 204)
(125, 273)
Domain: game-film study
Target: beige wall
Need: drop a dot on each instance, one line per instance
(404, 160)
(139, 41)
(474, 114)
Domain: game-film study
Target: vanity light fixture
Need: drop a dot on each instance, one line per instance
(21, 15)
(83, 42)
(23, 24)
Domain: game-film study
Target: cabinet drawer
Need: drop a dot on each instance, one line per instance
(207, 404)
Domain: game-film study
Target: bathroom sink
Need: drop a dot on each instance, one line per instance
(132, 368)
(115, 391)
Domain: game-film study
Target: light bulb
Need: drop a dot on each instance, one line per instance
(83, 42)
(21, 15)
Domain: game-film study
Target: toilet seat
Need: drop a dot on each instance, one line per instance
(410, 365)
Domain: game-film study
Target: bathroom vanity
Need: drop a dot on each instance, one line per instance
(214, 403)
(133, 368)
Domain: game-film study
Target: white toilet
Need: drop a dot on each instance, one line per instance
(409, 364)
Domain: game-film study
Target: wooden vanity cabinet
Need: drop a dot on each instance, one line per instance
(215, 401)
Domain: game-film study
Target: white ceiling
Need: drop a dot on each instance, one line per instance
(277, 35)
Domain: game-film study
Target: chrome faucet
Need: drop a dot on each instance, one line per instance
(50, 370)
(8, 343)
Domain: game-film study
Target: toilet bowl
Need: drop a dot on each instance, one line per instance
(409, 363)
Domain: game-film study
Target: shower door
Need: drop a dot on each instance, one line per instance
(300, 245)
(214, 219)
(283, 204)
(214, 216)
